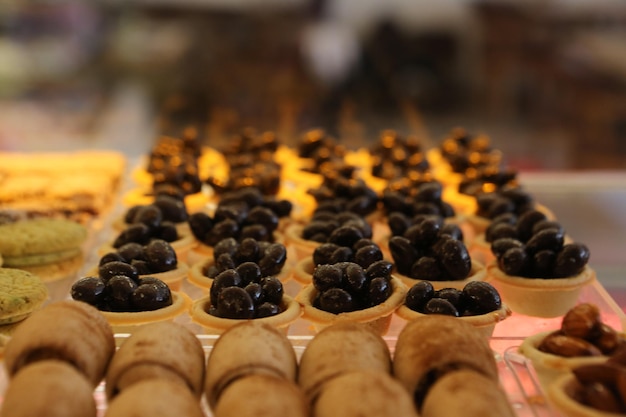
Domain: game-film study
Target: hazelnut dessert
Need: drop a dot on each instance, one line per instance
(478, 303)
(347, 292)
(597, 390)
(244, 294)
(434, 251)
(582, 339)
(329, 224)
(157, 259)
(251, 258)
(128, 299)
(363, 252)
(240, 214)
(538, 272)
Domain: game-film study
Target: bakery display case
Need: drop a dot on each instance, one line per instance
(220, 128)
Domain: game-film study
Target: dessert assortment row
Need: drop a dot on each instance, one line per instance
(440, 367)
(264, 233)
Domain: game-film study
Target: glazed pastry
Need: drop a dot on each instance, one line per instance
(158, 350)
(246, 349)
(155, 397)
(362, 393)
(260, 394)
(466, 393)
(433, 345)
(71, 331)
(338, 349)
(49, 388)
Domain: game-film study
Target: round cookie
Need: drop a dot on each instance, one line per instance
(40, 237)
(338, 349)
(364, 392)
(51, 388)
(264, 394)
(21, 293)
(154, 350)
(155, 397)
(49, 248)
(71, 331)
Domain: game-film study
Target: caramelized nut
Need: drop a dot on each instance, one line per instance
(600, 397)
(605, 373)
(606, 339)
(619, 356)
(581, 320)
(620, 386)
(566, 346)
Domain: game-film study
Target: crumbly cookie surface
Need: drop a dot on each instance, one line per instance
(20, 293)
(40, 236)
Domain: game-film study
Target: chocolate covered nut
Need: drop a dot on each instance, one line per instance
(607, 339)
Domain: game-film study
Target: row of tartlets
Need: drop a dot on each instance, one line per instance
(412, 251)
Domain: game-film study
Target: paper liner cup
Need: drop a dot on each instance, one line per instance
(548, 366)
(539, 297)
(377, 318)
(484, 323)
(127, 322)
(291, 311)
(477, 273)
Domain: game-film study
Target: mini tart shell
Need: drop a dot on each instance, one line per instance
(126, 322)
(303, 271)
(539, 297)
(550, 366)
(560, 395)
(484, 323)
(302, 248)
(378, 318)
(291, 311)
(477, 273)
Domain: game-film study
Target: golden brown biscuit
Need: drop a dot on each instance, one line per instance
(49, 388)
(466, 393)
(245, 349)
(433, 345)
(156, 398)
(256, 395)
(71, 331)
(157, 350)
(341, 348)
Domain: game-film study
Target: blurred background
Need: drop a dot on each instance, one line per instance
(545, 79)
